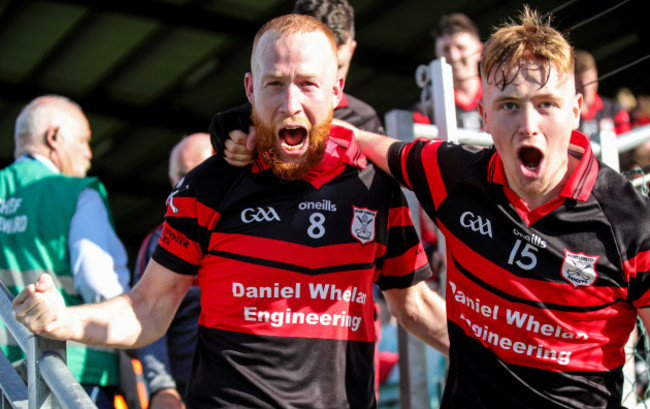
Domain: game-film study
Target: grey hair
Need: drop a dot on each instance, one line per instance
(36, 117)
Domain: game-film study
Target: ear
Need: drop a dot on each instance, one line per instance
(482, 111)
(52, 137)
(248, 86)
(576, 110)
(54, 143)
(337, 90)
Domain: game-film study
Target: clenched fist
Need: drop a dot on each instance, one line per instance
(40, 308)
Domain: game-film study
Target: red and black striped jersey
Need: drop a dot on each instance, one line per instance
(540, 303)
(286, 271)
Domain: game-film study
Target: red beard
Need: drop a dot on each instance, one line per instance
(267, 147)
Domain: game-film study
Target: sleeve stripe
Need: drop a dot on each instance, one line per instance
(637, 264)
(429, 158)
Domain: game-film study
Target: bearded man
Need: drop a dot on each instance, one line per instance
(286, 252)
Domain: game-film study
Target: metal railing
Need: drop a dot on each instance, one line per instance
(50, 384)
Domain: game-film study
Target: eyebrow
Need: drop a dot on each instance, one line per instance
(300, 76)
(518, 97)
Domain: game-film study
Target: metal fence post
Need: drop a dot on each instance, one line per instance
(412, 355)
(50, 384)
(609, 150)
(13, 391)
(437, 84)
(40, 395)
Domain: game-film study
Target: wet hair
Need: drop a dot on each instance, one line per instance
(532, 40)
(454, 23)
(337, 15)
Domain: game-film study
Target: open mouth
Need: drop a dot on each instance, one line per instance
(293, 138)
(530, 158)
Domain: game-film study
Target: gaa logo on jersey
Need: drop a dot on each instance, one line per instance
(363, 224)
(579, 269)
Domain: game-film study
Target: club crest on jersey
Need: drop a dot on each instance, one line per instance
(579, 269)
(363, 224)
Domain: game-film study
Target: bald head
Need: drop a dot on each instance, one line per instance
(189, 152)
(41, 114)
(55, 127)
(285, 26)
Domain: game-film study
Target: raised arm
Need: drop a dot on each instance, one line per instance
(130, 320)
(374, 146)
(422, 312)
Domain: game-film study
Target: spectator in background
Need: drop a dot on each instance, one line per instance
(167, 361)
(641, 114)
(57, 221)
(457, 39)
(597, 112)
(626, 99)
(638, 157)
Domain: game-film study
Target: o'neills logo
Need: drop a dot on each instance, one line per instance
(533, 239)
(579, 269)
(363, 224)
(322, 205)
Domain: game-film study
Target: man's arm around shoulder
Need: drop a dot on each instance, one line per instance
(373, 146)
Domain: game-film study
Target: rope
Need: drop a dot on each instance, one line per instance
(595, 16)
(615, 71)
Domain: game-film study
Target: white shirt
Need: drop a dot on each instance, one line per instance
(98, 258)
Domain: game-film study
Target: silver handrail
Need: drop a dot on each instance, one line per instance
(50, 384)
